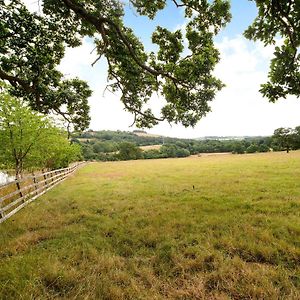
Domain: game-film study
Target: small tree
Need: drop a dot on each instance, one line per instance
(284, 137)
(62, 153)
(252, 148)
(238, 148)
(29, 140)
(263, 148)
(128, 151)
(181, 152)
(152, 154)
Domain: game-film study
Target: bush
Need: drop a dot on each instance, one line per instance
(128, 151)
(252, 148)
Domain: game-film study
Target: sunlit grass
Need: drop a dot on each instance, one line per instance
(219, 227)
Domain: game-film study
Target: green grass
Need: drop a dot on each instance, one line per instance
(219, 227)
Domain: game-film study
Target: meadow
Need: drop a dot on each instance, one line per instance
(209, 227)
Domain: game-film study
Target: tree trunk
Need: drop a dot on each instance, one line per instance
(18, 170)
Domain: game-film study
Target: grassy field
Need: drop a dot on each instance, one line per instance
(215, 227)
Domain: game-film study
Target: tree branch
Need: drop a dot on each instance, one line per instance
(134, 110)
(98, 23)
(15, 80)
(276, 7)
(178, 5)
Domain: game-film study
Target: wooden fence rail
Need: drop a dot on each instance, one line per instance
(16, 194)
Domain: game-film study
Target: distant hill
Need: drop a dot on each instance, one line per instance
(106, 144)
(143, 138)
(228, 138)
(138, 137)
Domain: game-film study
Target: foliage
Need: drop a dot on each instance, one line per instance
(297, 137)
(152, 154)
(172, 150)
(252, 148)
(263, 148)
(63, 153)
(29, 140)
(129, 151)
(238, 148)
(31, 47)
(95, 145)
(139, 230)
(284, 137)
(103, 145)
(279, 19)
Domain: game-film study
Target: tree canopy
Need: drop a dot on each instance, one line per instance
(279, 19)
(29, 140)
(31, 47)
(181, 70)
(285, 138)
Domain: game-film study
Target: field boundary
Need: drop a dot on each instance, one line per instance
(18, 193)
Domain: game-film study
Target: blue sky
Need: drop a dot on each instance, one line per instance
(243, 13)
(238, 109)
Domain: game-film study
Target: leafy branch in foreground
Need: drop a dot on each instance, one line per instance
(279, 19)
(31, 47)
(180, 71)
(34, 45)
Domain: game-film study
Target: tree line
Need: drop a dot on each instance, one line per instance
(121, 145)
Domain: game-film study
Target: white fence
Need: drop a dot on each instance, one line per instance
(15, 195)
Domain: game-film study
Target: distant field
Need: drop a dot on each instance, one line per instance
(150, 147)
(144, 134)
(211, 227)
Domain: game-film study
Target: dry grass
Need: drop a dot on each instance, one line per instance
(150, 147)
(144, 134)
(216, 227)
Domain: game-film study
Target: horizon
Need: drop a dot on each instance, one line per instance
(193, 138)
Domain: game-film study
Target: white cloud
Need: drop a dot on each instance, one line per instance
(33, 5)
(106, 109)
(239, 109)
(78, 61)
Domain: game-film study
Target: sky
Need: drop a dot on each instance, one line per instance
(238, 110)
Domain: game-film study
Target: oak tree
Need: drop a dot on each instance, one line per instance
(284, 137)
(33, 45)
(279, 19)
(180, 71)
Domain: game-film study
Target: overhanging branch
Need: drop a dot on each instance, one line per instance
(16, 81)
(99, 21)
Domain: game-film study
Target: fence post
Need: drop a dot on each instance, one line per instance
(35, 183)
(56, 177)
(45, 178)
(19, 189)
(2, 213)
(51, 174)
